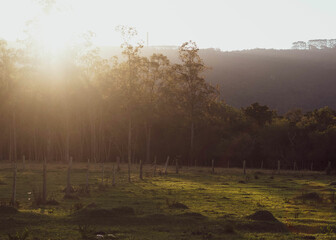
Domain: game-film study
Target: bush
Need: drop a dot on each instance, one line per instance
(19, 236)
(78, 206)
(86, 232)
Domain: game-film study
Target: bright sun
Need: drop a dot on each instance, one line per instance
(54, 33)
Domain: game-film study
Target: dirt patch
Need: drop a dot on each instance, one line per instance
(178, 205)
(103, 213)
(52, 202)
(192, 215)
(92, 205)
(262, 216)
(71, 197)
(264, 221)
(313, 196)
(7, 210)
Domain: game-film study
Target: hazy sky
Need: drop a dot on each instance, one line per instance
(229, 25)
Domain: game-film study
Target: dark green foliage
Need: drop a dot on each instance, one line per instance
(260, 114)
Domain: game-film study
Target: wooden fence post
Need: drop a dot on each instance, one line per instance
(212, 166)
(328, 170)
(87, 175)
(140, 170)
(113, 175)
(118, 163)
(44, 191)
(103, 172)
(13, 199)
(166, 166)
(68, 188)
(23, 163)
(154, 166)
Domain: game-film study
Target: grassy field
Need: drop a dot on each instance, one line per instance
(193, 204)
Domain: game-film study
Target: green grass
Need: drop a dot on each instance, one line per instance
(217, 205)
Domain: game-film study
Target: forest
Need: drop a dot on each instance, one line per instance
(136, 107)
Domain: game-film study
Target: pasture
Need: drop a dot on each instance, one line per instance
(193, 204)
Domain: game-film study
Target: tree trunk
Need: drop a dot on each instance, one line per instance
(244, 167)
(262, 165)
(311, 166)
(44, 188)
(177, 166)
(13, 158)
(166, 166)
(129, 148)
(294, 168)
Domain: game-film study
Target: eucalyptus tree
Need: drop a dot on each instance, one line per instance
(131, 83)
(10, 76)
(194, 93)
(156, 71)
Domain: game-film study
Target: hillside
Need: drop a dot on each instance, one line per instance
(281, 79)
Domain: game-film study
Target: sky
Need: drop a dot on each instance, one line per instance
(224, 24)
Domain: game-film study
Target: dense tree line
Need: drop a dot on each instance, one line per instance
(282, 79)
(139, 108)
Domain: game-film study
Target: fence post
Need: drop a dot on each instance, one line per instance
(166, 166)
(154, 171)
(212, 166)
(140, 169)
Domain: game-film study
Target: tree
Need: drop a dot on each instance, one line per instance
(9, 94)
(260, 113)
(156, 70)
(194, 93)
(131, 85)
(299, 45)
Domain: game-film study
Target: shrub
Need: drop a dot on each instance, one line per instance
(78, 206)
(19, 236)
(86, 232)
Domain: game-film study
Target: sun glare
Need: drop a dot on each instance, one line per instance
(55, 33)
